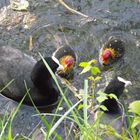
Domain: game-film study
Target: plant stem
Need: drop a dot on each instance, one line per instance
(93, 92)
(85, 101)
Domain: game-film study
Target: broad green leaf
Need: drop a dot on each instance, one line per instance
(86, 69)
(102, 96)
(135, 122)
(83, 64)
(134, 107)
(100, 99)
(95, 70)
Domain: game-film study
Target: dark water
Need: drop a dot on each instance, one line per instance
(51, 26)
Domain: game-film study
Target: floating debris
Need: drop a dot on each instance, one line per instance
(19, 5)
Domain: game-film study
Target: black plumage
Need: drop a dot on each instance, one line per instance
(18, 66)
(115, 87)
(115, 116)
(21, 67)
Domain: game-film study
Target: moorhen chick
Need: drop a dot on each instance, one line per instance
(116, 86)
(111, 51)
(114, 115)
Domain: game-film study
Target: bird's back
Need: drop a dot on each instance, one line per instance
(17, 66)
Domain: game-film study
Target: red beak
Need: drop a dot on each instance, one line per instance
(106, 55)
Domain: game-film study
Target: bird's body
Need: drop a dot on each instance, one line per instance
(18, 66)
(22, 69)
(114, 87)
(114, 116)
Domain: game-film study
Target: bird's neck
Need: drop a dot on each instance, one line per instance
(41, 76)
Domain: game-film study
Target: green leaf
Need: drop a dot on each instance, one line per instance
(91, 61)
(111, 95)
(83, 64)
(103, 108)
(134, 107)
(86, 69)
(91, 78)
(100, 99)
(80, 106)
(135, 122)
(97, 78)
(102, 96)
(95, 70)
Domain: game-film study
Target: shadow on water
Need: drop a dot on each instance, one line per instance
(52, 26)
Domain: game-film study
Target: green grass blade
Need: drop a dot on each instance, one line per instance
(85, 101)
(62, 118)
(4, 127)
(13, 116)
(61, 92)
(9, 83)
(41, 117)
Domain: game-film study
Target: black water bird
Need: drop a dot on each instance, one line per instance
(116, 86)
(115, 115)
(21, 67)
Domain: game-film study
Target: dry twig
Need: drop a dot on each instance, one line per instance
(30, 42)
(72, 10)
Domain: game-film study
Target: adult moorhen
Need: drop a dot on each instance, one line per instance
(21, 67)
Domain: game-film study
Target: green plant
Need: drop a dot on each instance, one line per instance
(86, 130)
(93, 75)
(97, 128)
(134, 108)
(6, 122)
